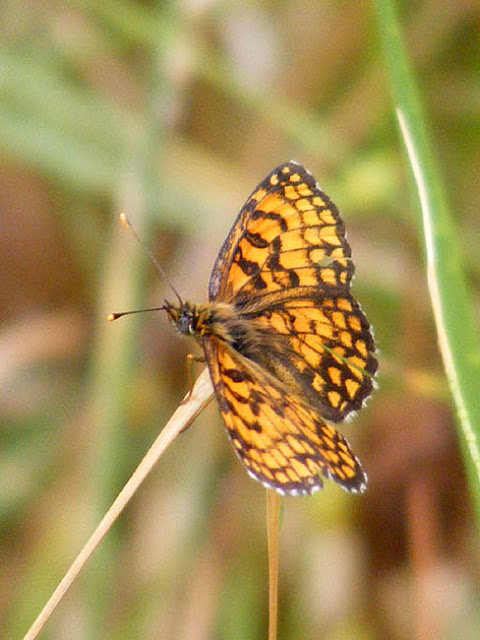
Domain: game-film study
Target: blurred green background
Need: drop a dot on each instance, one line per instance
(173, 112)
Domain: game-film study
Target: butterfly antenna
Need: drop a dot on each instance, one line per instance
(114, 316)
(128, 225)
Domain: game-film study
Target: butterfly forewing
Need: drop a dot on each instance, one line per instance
(288, 235)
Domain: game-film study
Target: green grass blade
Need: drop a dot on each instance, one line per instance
(449, 291)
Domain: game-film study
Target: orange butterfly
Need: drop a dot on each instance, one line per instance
(287, 345)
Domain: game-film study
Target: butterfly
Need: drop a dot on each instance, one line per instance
(288, 347)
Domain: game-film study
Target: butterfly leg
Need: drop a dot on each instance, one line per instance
(191, 359)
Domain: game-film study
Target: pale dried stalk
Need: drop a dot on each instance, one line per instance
(273, 522)
(192, 405)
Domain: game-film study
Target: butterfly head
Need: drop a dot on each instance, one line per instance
(184, 317)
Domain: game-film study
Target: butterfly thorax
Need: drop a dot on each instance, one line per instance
(218, 319)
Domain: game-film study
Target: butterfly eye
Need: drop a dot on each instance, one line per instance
(183, 325)
(184, 322)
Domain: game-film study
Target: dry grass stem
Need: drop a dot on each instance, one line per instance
(273, 511)
(193, 404)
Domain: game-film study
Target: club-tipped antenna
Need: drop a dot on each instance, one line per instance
(128, 225)
(116, 316)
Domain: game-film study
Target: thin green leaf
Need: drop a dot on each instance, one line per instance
(449, 291)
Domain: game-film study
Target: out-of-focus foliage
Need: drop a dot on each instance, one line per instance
(173, 112)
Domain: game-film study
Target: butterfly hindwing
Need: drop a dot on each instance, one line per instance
(283, 442)
(323, 349)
